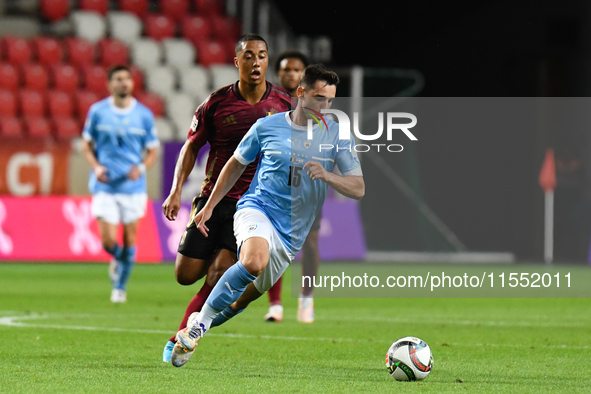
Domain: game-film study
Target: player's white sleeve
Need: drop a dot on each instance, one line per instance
(249, 148)
(347, 159)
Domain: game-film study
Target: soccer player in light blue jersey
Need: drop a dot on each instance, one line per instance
(274, 217)
(120, 143)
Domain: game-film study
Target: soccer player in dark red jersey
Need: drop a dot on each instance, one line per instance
(222, 120)
(289, 67)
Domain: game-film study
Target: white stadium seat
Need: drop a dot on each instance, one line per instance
(179, 53)
(195, 81)
(222, 75)
(161, 80)
(166, 129)
(89, 25)
(180, 108)
(124, 26)
(146, 53)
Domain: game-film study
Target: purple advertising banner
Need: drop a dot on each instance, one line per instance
(340, 238)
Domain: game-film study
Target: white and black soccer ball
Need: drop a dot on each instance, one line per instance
(409, 358)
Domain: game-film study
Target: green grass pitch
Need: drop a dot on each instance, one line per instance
(59, 333)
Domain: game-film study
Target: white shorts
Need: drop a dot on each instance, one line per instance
(119, 208)
(248, 223)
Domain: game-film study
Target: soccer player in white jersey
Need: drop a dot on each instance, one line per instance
(274, 217)
(120, 143)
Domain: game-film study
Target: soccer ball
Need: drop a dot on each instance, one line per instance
(409, 358)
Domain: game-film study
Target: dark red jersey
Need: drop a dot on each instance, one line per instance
(222, 120)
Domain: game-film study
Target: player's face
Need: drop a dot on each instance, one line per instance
(121, 84)
(252, 62)
(290, 71)
(318, 97)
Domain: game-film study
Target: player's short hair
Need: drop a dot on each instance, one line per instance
(116, 68)
(248, 37)
(290, 55)
(318, 72)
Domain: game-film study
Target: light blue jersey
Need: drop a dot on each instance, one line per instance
(119, 137)
(281, 188)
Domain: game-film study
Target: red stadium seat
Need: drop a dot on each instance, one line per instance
(100, 6)
(138, 78)
(208, 7)
(37, 127)
(8, 103)
(32, 103)
(64, 77)
(48, 50)
(17, 50)
(158, 27)
(225, 27)
(35, 77)
(212, 52)
(138, 7)
(66, 127)
(59, 104)
(195, 28)
(95, 79)
(152, 101)
(11, 127)
(10, 77)
(54, 10)
(112, 52)
(80, 51)
(175, 9)
(83, 100)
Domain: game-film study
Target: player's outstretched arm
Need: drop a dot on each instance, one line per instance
(350, 186)
(232, 170)
(182, 169)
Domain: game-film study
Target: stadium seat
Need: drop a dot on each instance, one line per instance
(179, 53)
(80, 51)
(83, 100)
(54, 10)
(66, 128)
(95, 79)
(11, 127)
(175, 9)
(35, 77)
(59, 104)
(212, 52)
(195, 28)
(37, 127)
(100, 6)
(223, 74)
(195, 81)
(152, 101)
(10, 77)
(158, 26)
(166, 129)
(32, 103)
(64, 77)
(208, 7)
(124, 26)
(112, 52)
(138, 78)
(17, 50)
(146, 53)
(161, 80)
(8, 103)
(47, 50)
(180, 108)
(137, 7)
(88, 25)
(225, 27)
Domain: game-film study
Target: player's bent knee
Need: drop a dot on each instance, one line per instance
(188, 271)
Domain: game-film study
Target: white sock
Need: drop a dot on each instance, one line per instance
(276, 308)
(306, 301)
(206, 316)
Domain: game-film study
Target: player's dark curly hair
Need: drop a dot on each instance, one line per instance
(318, 72)
(290, 55)
(248, 37)
(116, 68)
